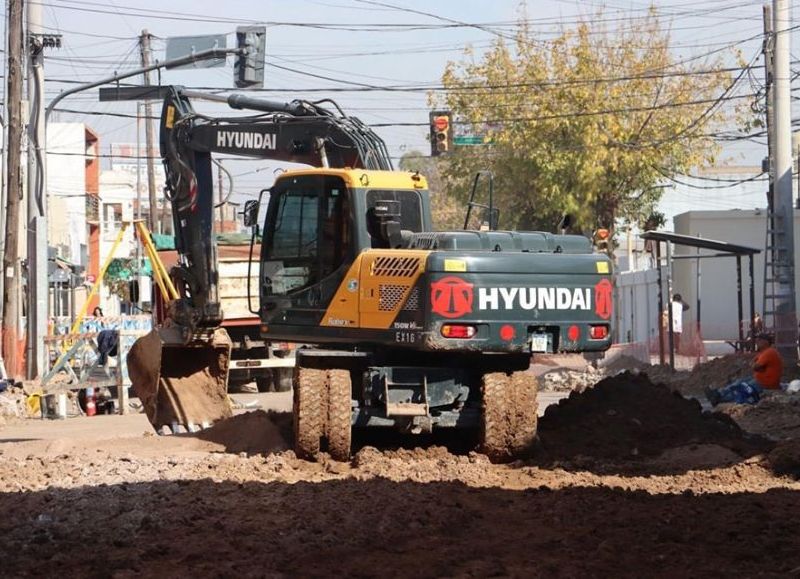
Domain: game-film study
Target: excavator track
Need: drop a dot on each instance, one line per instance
(309, 387)
(340, 410)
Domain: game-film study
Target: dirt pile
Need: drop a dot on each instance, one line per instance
(785, 458)
(621, 363)
(714, 374)
(776, 416)
(628, 417)
(13, 405)
(255, 432)
(663, 374)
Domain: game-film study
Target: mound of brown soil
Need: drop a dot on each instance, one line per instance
(628, 417)
(252, 432)
(715, 373)
(622, 362)
(776, 416)
(785, 458)
(663, 374)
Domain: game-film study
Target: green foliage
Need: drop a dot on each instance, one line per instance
(587, 123)
(117, 276)
(656, 220)
(447, 212)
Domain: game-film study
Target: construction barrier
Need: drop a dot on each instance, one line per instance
(74, 356)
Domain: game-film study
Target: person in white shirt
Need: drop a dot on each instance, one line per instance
(678, 307)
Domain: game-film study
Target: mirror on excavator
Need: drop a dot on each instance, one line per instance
(250, 213)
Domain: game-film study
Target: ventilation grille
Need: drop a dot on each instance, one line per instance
(390, 296)
(395, 266)
(412, 303)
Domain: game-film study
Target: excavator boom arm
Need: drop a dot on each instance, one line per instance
(297, 132)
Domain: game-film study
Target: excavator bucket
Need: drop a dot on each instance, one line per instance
(181, 384)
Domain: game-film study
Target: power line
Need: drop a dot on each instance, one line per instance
(580, 113)
(726, 186)
(500, 120)
(494, 28)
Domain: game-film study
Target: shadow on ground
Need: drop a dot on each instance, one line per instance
(378, 527)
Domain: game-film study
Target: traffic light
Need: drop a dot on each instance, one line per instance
(441, 132)
(248, 69)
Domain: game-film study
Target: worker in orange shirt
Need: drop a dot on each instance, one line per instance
(767, 371)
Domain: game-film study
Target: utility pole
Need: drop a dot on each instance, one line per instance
(38, 286)
(785, 309)
(769, 78)
(138, 192)
(221, 197)
(3, 180)
(11, 289)
(155, 221)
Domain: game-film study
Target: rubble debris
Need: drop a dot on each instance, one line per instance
(567, 380)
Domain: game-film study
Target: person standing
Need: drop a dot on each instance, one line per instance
(678, 307)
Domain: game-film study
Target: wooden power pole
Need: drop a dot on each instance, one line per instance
(11, 288)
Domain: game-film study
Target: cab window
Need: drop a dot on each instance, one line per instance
(307, 233)
(410, 206)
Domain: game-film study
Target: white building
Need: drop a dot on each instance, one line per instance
(66, 186)
(117, 195)
(717, 279)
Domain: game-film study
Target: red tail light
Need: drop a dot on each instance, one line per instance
(598, 332)
(459, 331)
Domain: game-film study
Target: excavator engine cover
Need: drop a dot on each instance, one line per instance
(181, 384)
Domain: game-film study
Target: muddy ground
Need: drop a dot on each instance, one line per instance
(628, 480)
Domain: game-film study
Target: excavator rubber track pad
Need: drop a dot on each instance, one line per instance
(181, 384)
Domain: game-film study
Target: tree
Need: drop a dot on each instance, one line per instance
(447, 212)
(587, 123)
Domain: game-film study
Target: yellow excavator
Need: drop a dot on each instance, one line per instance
(180, 369)
(410, 328)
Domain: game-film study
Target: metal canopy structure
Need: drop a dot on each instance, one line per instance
(700, 242)
(722, 249)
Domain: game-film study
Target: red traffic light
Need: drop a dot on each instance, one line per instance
(441, 123)
(441, 134)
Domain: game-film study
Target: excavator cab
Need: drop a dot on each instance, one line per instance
(317, 223)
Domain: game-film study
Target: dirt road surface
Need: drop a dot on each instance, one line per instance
(655, 489)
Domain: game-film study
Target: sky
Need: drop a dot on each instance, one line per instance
(341, 48)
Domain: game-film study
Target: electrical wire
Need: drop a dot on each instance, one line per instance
(726, 186)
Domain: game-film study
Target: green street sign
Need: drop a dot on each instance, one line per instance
(471, 140)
